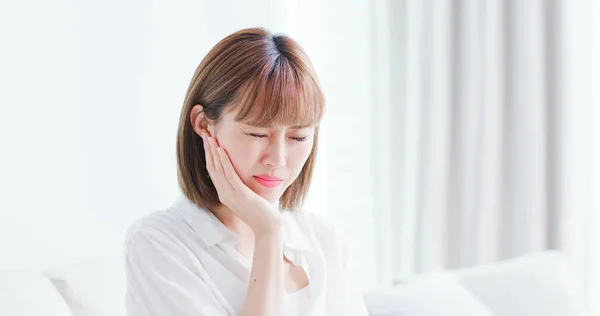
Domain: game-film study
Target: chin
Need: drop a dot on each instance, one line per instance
(270, 195)
(271, 198)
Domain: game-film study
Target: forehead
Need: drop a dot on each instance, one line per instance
(230, 117)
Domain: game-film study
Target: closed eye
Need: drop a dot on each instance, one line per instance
(298, 139)
(258, 135)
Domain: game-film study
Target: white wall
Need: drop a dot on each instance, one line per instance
(91, 94)
(593, 286)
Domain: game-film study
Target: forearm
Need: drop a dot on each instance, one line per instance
(265, 291)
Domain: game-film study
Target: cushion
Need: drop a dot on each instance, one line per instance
(535, 284)
(29, 294)
(435, 294)
(92, 288)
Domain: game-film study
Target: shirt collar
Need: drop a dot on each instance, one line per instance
(204, 223)
(213, 232)
(293, 236)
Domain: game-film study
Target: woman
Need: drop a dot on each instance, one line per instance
(237, 241)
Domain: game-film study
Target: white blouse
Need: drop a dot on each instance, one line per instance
(182, 261)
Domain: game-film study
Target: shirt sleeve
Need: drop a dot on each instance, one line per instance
(161, 282)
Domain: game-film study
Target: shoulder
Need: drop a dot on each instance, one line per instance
(158, 230)
(153, 224)
(321, 226)
(329, 236)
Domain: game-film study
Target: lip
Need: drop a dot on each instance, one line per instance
(268, 177)
(268, 181)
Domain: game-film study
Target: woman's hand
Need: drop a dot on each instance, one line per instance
(254, 210)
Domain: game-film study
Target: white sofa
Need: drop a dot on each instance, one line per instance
(536, 284)
(539, 284)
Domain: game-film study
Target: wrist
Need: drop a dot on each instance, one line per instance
(270, 232)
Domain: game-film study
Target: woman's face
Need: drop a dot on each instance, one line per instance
(267, 159)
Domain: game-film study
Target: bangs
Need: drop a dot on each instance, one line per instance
(281, 94)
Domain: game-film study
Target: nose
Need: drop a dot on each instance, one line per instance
(275, 154)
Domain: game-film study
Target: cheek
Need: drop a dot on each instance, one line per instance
(241, 153)
(299, 157)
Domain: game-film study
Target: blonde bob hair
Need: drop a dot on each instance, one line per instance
(269, 80)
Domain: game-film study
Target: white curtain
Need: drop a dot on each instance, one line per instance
(484, 134)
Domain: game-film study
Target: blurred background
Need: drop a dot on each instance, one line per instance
(457, 133)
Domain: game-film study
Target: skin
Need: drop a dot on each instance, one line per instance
(277, 152)
(235, 153)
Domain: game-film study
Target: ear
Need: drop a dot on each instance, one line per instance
(200, 123)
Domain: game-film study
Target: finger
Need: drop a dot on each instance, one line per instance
(215, 156)
(210, 164)
(220, 180)
(230, 173)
